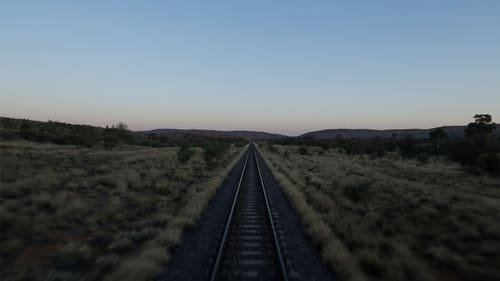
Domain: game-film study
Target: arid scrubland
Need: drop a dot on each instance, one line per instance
(74, 213)
(389, 219)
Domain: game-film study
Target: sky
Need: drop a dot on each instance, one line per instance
(280, 66)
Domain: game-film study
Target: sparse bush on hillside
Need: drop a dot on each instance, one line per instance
(477, 151)
(464, 151)
(355, 188)
(110, 141)
(213, 151)
(490, 162)
(8, 123)
(438, 138)
(271, 148)
(302, 150)
(109, 137)
(184, 154)
(408, 147)
(286, 154)
(73, 257)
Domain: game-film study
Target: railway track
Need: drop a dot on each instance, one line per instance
(249, 249)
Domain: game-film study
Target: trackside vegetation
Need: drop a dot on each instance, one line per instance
(398, 209)
(386, 218)
(89, 203)
(478, 151)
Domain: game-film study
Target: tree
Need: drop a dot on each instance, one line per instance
(121, 126)
(482, 126)
(438, 137)
(408, 147)
(438, 134)
(213, 151)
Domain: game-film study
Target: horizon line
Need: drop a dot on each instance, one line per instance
(244, 130)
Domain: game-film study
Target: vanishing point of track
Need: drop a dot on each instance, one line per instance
(249, 249)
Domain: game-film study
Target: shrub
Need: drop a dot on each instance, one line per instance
(489, 162)
(380, 153)
(5, 220)
(372, 266)
(142, 235)
(356, 191)
(44, 202)
(478, 151)
(464, 151)
(423, 158)
(121, 245)
(302, 150)
(110, 141)
(8, 123)
(271, 148)
(286, 154)
(73, 257)
(184, 154)
(214, 150)
(408, 147)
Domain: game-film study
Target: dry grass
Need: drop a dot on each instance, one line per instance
(388, 219)
(68, 212)
(149, 257)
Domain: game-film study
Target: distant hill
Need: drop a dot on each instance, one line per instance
(242, 134)
(452, 131)
(15, 129)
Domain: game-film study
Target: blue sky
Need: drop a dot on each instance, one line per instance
(280, 66)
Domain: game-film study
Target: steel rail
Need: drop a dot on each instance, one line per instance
(276, 241)
(228, 223)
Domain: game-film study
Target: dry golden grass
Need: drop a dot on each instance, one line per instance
(68, 212)
(388, 219)
(149, 257)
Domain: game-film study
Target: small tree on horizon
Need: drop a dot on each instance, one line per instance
(438, 137)
(121, 126)
(481, 127)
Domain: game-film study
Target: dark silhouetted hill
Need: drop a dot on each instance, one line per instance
(452, 131)
(14, 129)
(254, 135)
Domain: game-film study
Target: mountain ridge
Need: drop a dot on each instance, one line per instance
(452, 131)
(248, 134)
